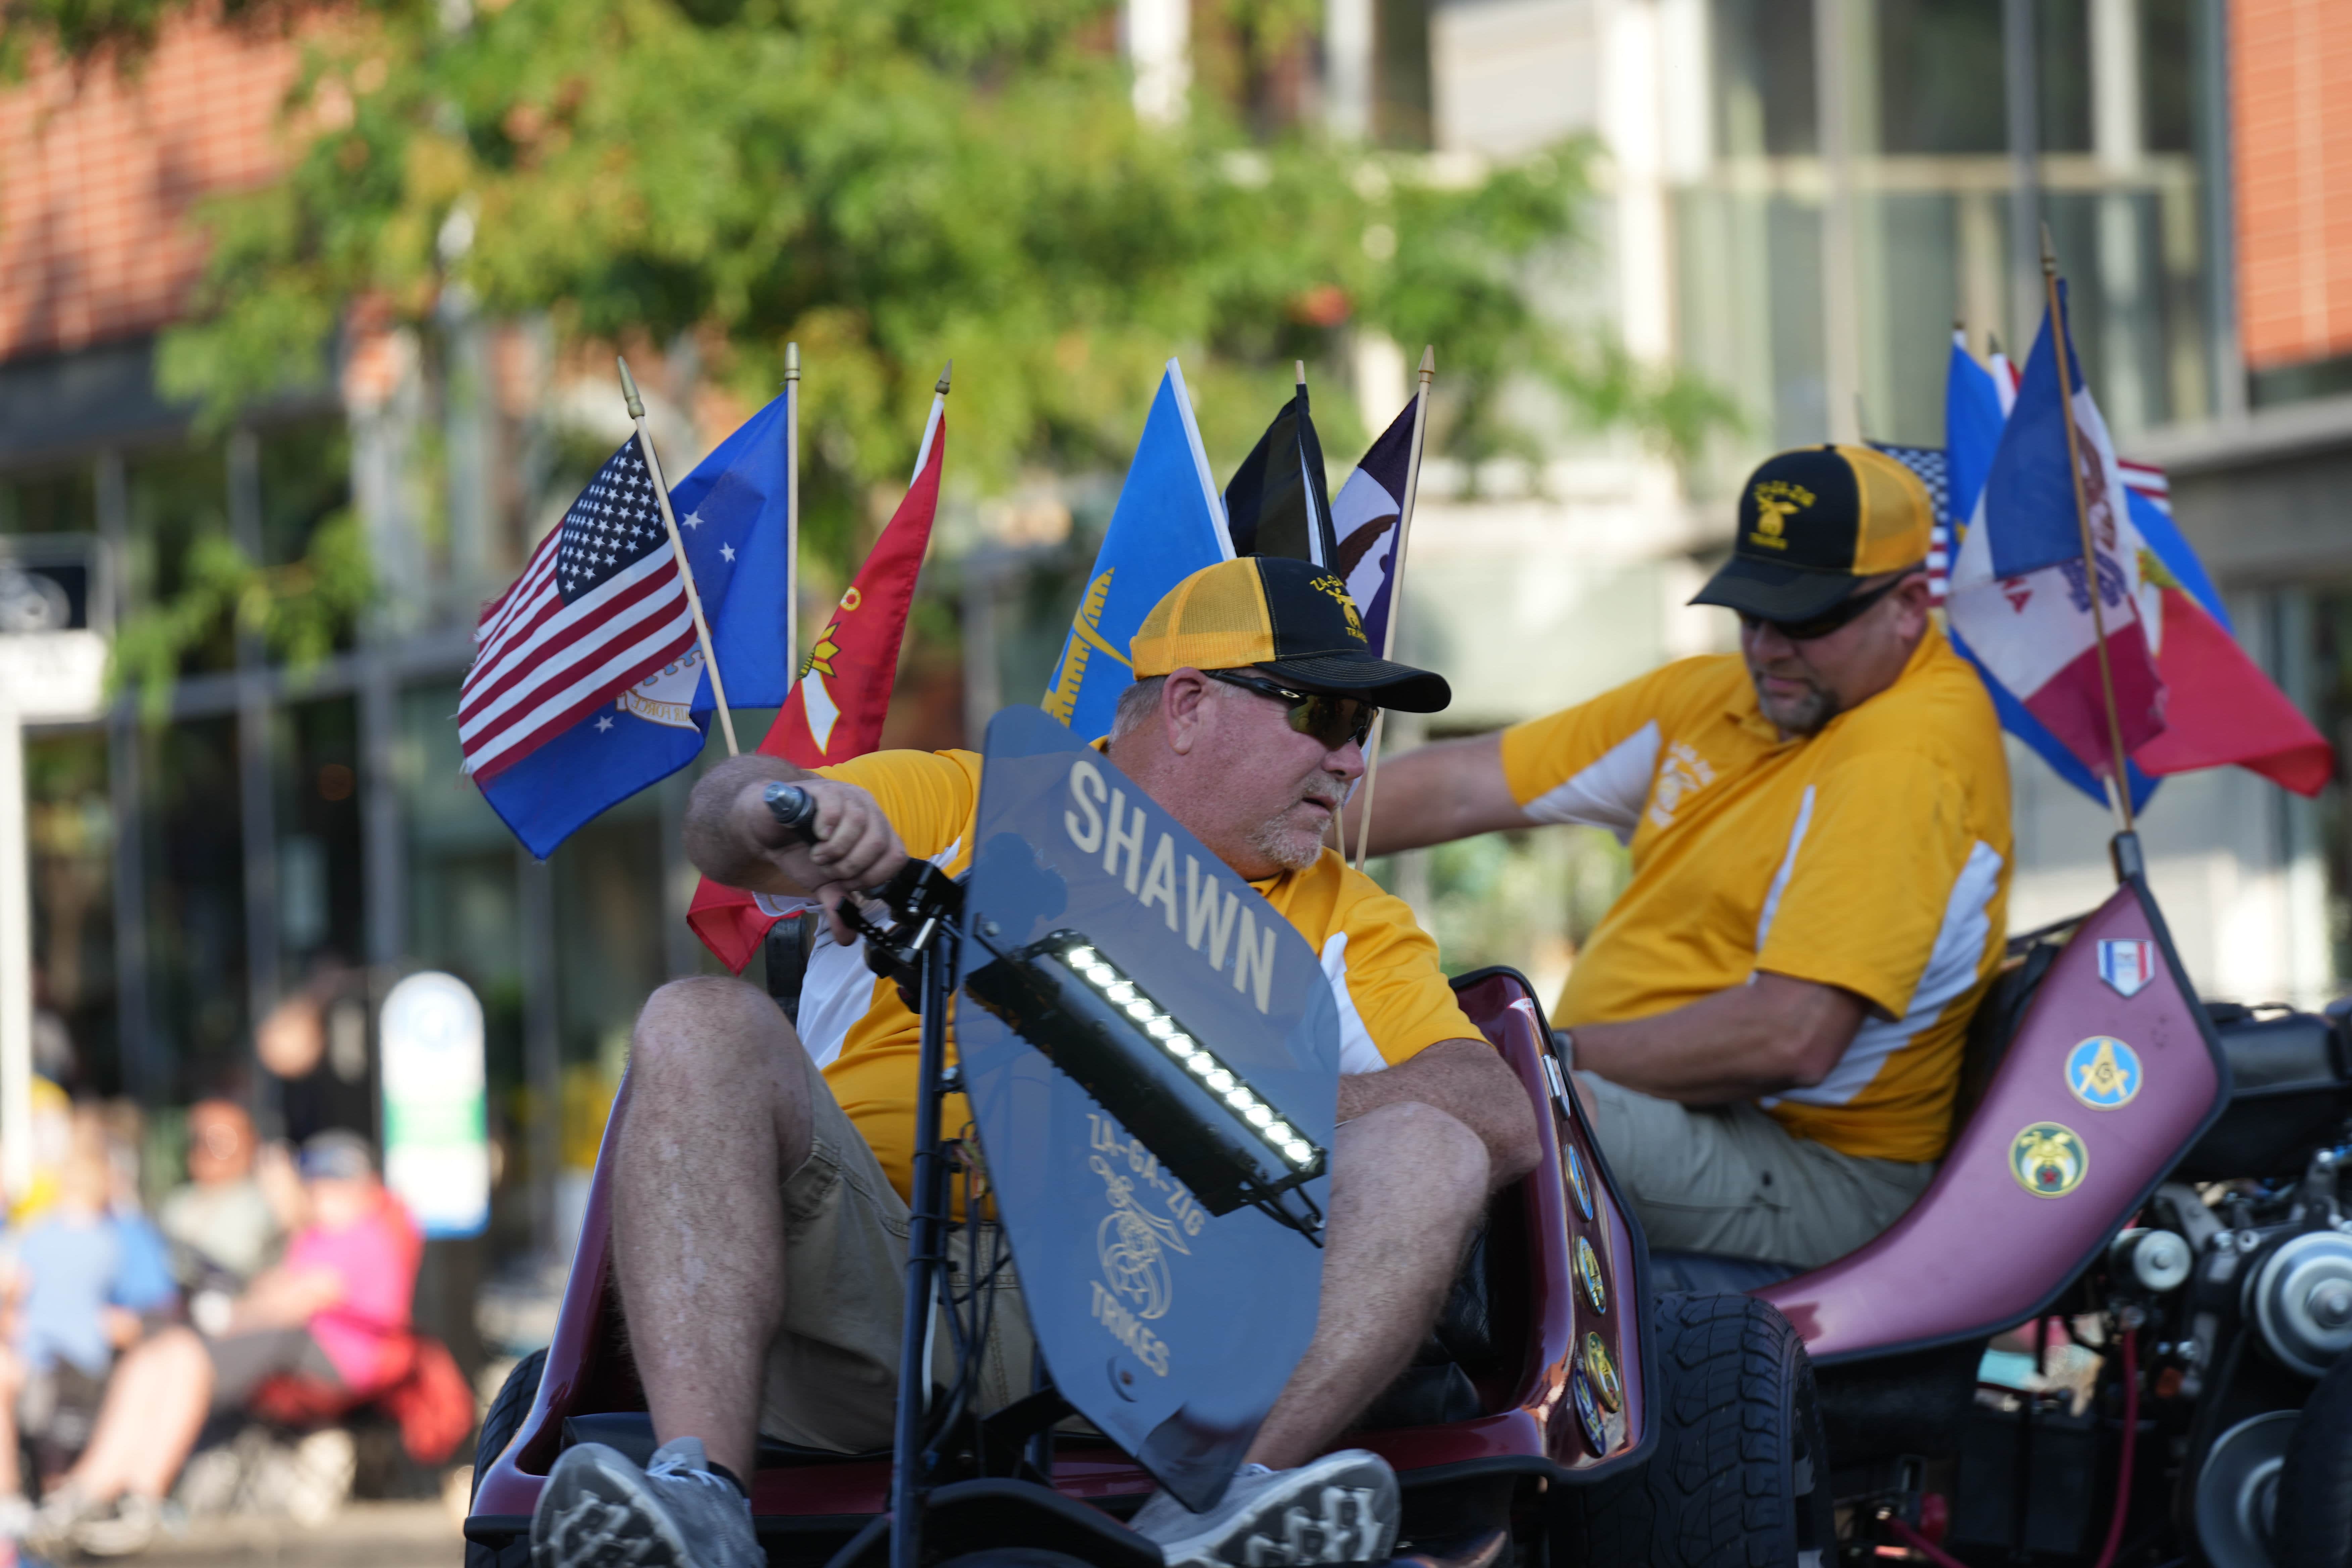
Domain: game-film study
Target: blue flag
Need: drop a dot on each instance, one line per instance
(1168, 523)
(730, 515)
(1972, 422)
(2028, 491)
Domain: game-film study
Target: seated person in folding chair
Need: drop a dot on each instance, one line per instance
(335, 1313)
(1771, 1016)
(759, 1179)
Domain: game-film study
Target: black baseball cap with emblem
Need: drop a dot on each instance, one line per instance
(1813, 524)
(1290, 619)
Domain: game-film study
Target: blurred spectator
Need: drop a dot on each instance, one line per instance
(223, 1224)
(146, 1284)
(87, 1274)
(335, 1313)
(85, 1279)
(315, 1042)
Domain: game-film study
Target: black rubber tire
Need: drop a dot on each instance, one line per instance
(2313, 1527)
(1741, 1476)
(1014, 1557)
(505, 1415)
(500, 1424)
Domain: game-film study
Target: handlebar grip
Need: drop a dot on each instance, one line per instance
(793, 808)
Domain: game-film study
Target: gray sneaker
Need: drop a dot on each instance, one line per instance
(599, 1510)
(1340, 1509)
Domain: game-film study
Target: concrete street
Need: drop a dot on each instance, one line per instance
(364, 1535)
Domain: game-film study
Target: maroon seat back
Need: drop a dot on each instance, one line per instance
(1981, 1250)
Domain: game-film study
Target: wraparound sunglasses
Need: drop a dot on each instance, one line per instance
(1333, 721)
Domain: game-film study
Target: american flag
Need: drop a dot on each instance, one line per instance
(1935, 472)
(600, 607)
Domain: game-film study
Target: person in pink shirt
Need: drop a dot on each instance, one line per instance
(335, 1311)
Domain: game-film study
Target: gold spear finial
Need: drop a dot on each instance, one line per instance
(629, 389)
(2048, 252)
(946, 372)
(791, 362)
(1428, 362)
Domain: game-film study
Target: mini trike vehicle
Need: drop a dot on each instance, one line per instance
(1540, 1379)
(2145, 1195)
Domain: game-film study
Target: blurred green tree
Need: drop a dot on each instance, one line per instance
(891, 182)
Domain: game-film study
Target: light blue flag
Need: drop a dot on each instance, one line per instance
(1169, 523)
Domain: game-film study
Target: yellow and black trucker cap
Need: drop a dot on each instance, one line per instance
(1289, 618)
(1813, 524)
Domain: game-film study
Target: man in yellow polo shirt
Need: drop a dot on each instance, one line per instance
(1769, 1019)
(760, 1172)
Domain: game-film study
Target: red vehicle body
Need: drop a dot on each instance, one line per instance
(1484, 1425)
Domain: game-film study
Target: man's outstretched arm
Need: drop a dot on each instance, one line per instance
(1454, 789)
(1743, 1042)
(732, 838)
(1469, 1082)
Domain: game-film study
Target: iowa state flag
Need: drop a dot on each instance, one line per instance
(837, 707)
(2022, 607)
(2220, 709)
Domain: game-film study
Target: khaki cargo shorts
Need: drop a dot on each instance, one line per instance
(832, 1372)
(1728, 1179)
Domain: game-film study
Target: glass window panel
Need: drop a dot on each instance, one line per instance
(177, 497)
(49, 501)
(195, 904)
(1764, 65)
(1400, 80)
(2061, 59)
(1939, 86)
(306, 477)
(2168, 31)
(70, 837)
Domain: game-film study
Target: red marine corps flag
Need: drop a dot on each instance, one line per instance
(837, 707)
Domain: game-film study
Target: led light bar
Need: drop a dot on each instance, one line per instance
(1214, 1131)
(1082, 960)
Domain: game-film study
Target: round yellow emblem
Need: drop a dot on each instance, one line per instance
(1603, 1370)
(1587, 1411)
(2048, 1160)
(1587, 1274)
(1573, 1162)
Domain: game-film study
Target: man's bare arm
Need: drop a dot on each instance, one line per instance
(1742, 1043)
(1439, 793)
(1468, 1081)
(732, 838)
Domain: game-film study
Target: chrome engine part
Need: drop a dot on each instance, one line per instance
(2301, 1301)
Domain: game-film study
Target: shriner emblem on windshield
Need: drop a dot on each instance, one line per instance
(1131, 1243)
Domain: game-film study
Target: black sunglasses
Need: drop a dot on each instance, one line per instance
(1333, 721)
(1831, 619)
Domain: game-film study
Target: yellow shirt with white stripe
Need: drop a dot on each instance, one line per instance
(1874, 856)
(1383, 968)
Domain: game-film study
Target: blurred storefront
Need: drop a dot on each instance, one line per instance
(234, 864)
(1804, 198)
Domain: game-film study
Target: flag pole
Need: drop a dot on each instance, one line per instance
(2060, 344)
(932, 425)
(677, 550)
(1396, 593)
(792, 500)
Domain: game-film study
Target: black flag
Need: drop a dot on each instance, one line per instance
(1279, 502)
